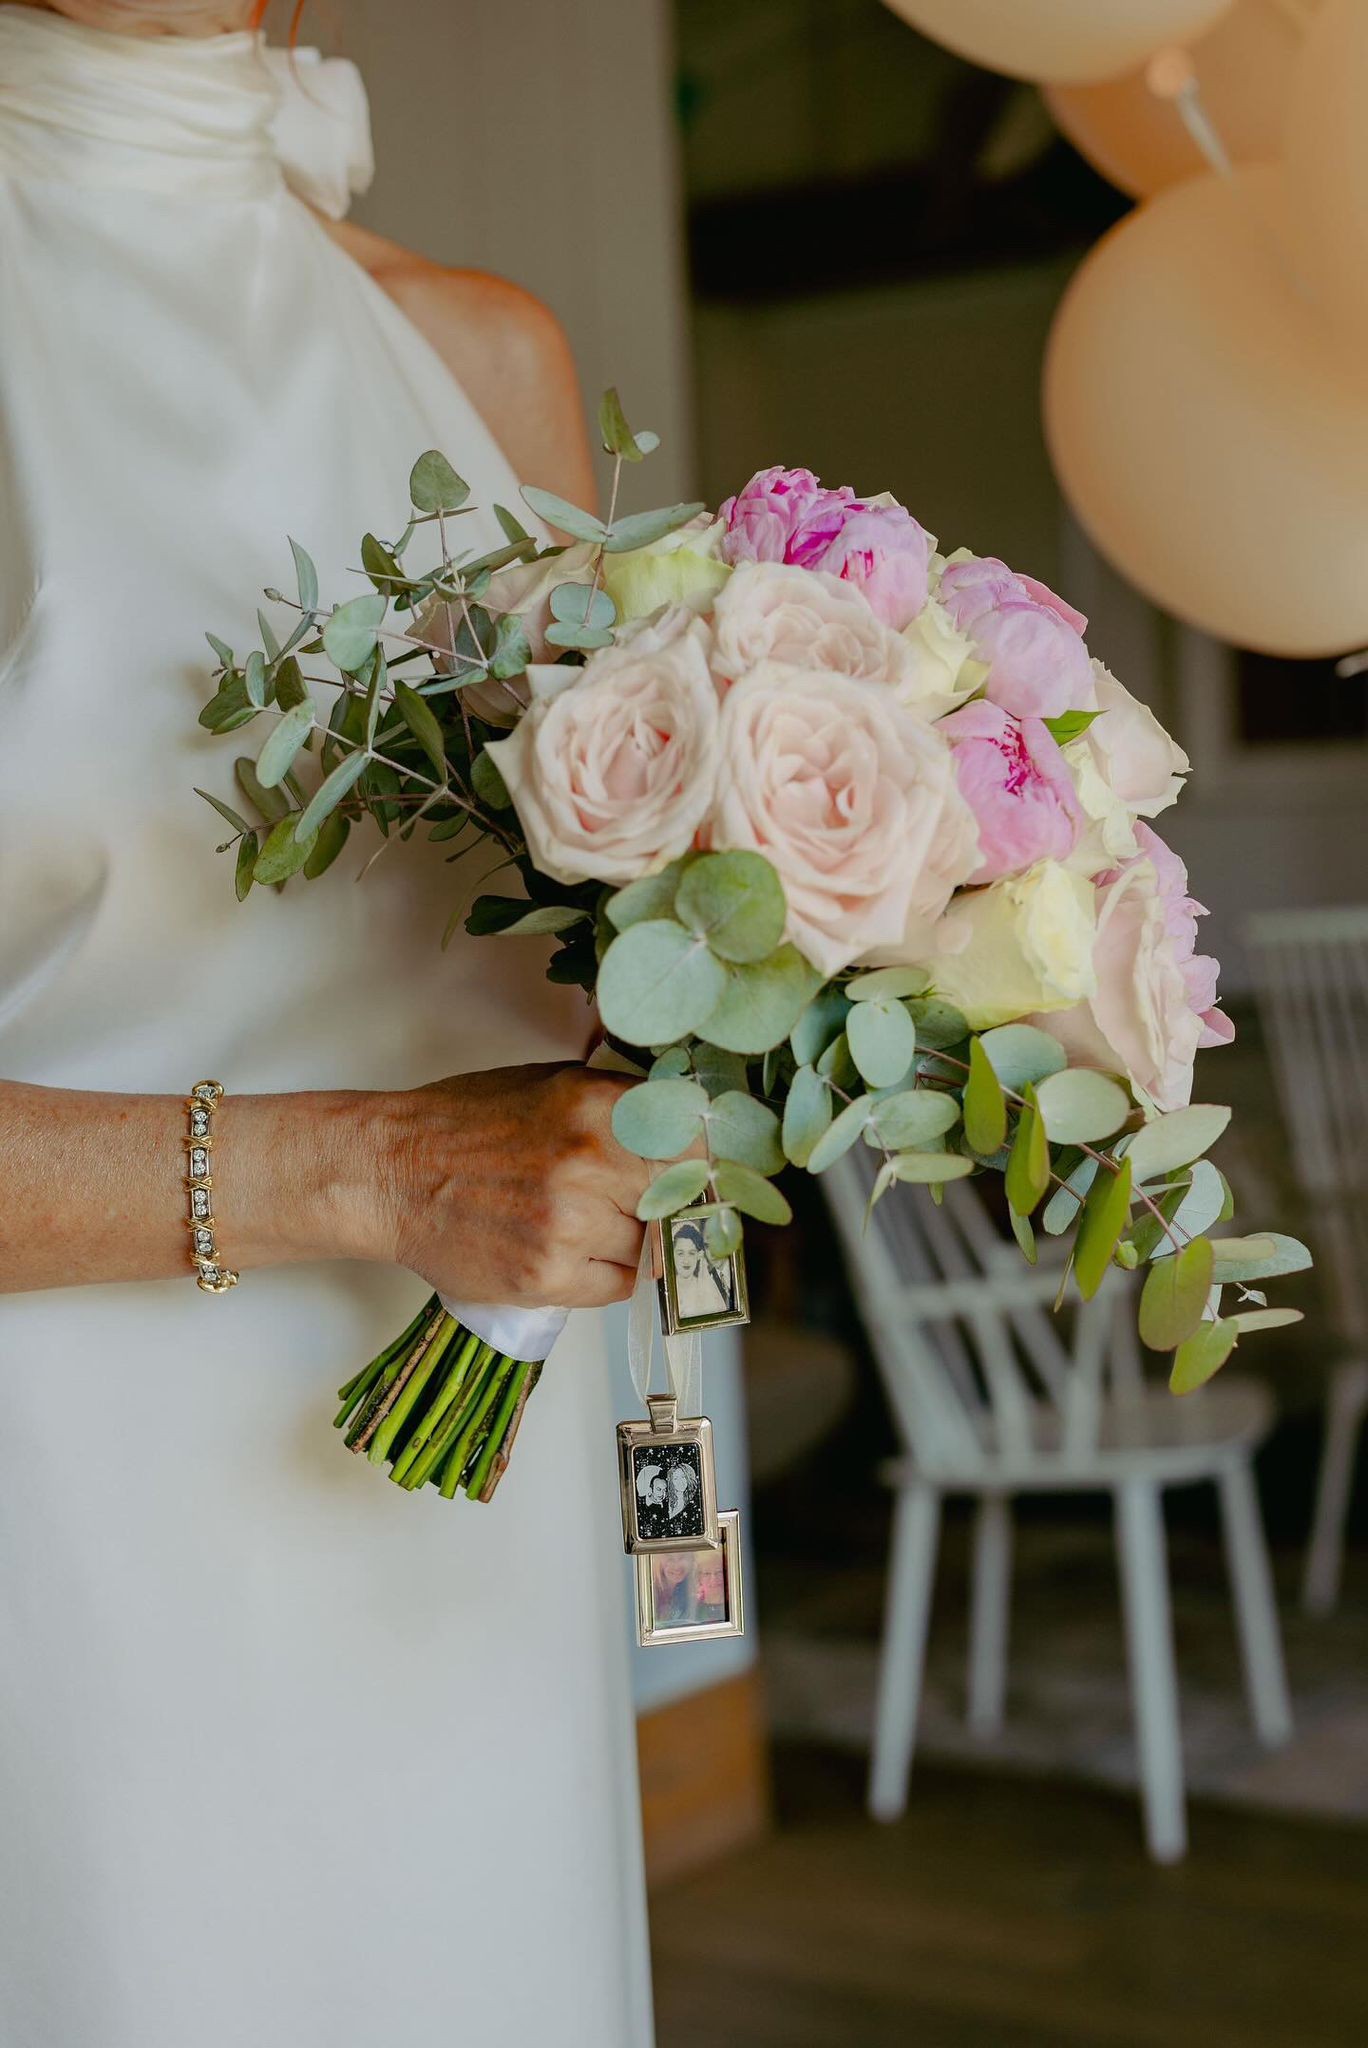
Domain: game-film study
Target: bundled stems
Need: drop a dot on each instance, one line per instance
(438, 1406)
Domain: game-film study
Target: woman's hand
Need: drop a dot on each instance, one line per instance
(510, 1187)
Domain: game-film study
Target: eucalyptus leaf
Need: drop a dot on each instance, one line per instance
(1175, 1140)
(1028, 1165)
(510, 526)
(880, 983)
(1174, 1297)
(659, 1119)
(929, 1169)
(225, 811)
(283, 854)
(571, 519)
(1201, 1206)
(673, 1064)
(1019, 1053)
(282, 744)
(271, 803)
(821, 1023)
(912, 1118)
(268, 638)
(882, 1040)
(719, 1072)
(736, 902)
(652, 896)
(349, 633)
(254, 677)
(1239, 1263)
(836, 1065)
(745, 1189)
(488, 784)
(306, 576)
(1062, 1211)
(421, 721)
(746, 1131)
(722, 1234)
(1201, 1355)
(807, 1114)
(244, 874)
(1106, 1213)
(380, 565)
(1266, 1319)
(939, 1025)
(1025, 1237)
(221, 649)
(617, 436)
(578, 604)
(434, 485)
(544, 920)
(512, 650)
(330, 792)
(1080, 1106)
(840, 1135)
(758, 1006)
(657, 983)
(290, 687)
(332, 837)
(985, 1106)
(677, 1188)
(585, 638)
(229, 707)
(639, 529)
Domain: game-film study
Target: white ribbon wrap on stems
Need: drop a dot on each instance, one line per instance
(523, 1333)
(683, 1354)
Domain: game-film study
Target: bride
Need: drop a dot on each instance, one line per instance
(286, 1758)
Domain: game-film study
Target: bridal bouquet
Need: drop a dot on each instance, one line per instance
(848, 841)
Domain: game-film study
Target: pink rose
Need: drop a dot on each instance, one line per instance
(786, 515)
(1154, 1004)
(851, 798)
(1031, 640)
(613, 767)
(1017, 783)
(760, 519)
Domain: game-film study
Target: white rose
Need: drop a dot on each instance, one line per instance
(1024, 945)
(612, 773)
(1110, 835)
(853, 800)
(945, 672)
(1134, 754)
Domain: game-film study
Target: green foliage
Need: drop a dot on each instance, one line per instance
(676, 1188)
(736, 902)
(660, 1118)
(1020, 1054)
(882, 983)
(1106, 1212)
(422, 723)
(745, 1189)
(651, 896)
(820, 1024)
(657, 982)
(938, 1025)
(284, 854)
(434, 485)
(882, 1040)
(350, 634)
(1201, 1355)
(332, 837)
(571, 519)
(1081, 1107)
(985, 1105)
(840, 1135)
(245, 869)
(283, 742)
(924, 1169)
(757, 1007)
(1266, 1257)
(745, 1131)
(911, 1117)
(807, 1115)
(1175, 1140)
(639, 529)
(722, 1233)
(1174, 1297)
(1028, 1166)
(331, 791)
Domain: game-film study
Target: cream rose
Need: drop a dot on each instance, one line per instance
(853, 800)
(945, 671)
(612, 770)
(685, 567)
(1134, 755)
(807, 620)
(1024, 944)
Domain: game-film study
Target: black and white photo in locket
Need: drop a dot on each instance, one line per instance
(669, 1490)
(703, 1288)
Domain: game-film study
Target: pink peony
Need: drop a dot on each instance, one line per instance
(1032, 641)
(785, 515)
(1017, 783)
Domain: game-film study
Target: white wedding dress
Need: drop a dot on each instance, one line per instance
(288, 1759)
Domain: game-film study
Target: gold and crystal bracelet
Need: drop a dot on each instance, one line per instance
(210, 1272)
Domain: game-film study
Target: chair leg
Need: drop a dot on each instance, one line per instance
(1154, 1685)
(1344, 1414)
(916, 1530)
(989, 1614)
(1256, 1610)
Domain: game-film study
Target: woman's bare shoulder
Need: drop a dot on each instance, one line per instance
(504, 347)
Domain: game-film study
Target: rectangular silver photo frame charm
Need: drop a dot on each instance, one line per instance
(669, 1488)
(692, 1597)
(696, 1293)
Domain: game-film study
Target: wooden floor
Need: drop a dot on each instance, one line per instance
(1008, 1912)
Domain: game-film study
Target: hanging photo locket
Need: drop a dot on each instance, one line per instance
(697, 1291)
(669, 1486)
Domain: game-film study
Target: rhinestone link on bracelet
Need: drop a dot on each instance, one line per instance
(210, 1272)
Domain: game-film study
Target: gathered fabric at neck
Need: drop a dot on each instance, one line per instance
(213, 116)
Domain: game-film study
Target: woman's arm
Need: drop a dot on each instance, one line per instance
(505, 349)
(505, 1186)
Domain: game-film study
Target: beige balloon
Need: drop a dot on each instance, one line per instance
(1243, 69)
(1068, 40)
(1209, 433)
(1326, 154)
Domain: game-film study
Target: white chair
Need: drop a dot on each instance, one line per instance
(1311, 981)
(988, 1400)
